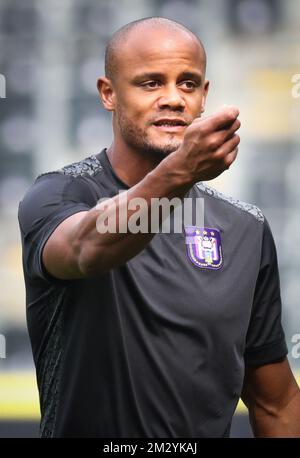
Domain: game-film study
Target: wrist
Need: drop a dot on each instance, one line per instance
(171, 178)
(175, 172)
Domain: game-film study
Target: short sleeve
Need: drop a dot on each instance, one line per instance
(50, 200)
(265, 341)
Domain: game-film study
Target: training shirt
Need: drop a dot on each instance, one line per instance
(156, 347)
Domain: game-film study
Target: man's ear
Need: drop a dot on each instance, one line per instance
(106, 92)
(205, 92)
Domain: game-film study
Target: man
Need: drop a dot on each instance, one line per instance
(144, 334)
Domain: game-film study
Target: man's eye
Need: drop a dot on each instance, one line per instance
(150, 84)
(189, 84)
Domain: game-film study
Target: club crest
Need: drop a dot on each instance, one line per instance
(204, 247)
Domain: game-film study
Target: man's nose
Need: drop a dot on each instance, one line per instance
(171, 98)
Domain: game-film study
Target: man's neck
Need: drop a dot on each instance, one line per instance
(129, 165)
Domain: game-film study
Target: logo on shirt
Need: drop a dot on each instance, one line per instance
(204, 247)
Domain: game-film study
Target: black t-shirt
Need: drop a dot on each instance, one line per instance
(156, 347)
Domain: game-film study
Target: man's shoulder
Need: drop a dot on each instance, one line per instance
(69, 185)
(244, 208)
(89, 166)
(74, 177)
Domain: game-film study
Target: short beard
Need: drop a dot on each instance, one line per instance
(137, 139)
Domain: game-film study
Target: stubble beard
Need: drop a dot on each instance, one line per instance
(137, 138)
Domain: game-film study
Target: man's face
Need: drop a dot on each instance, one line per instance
(158, 90)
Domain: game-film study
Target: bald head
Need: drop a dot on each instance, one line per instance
(119, 39)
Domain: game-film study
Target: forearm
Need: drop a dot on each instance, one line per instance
(98, 251)
(80, 248)
(277, 422)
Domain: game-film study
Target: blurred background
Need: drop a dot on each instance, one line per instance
(51, 53)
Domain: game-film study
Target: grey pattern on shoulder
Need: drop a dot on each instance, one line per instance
(244, 206)
(88, 166)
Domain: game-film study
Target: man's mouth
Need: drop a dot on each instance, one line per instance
(170, 124)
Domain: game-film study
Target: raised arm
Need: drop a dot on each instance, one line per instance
(76, 249)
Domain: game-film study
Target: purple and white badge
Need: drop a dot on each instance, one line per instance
(204, 247)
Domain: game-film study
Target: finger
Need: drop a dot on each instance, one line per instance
(228, 133)
(216, 140)
(230, 158)
(222, 119)
(228, 146)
